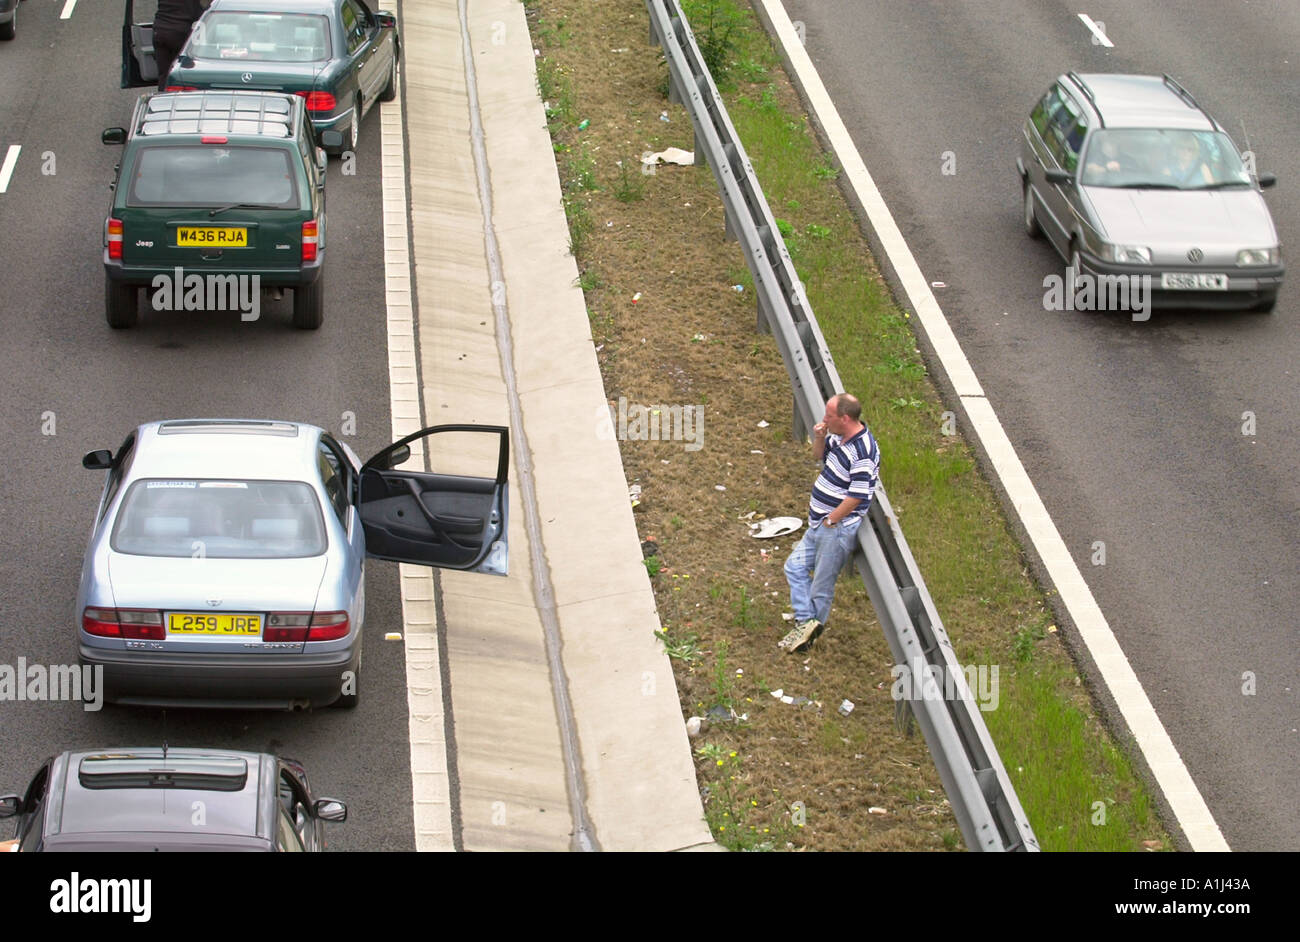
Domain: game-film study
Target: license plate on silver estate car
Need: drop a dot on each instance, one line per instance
(1182, 281)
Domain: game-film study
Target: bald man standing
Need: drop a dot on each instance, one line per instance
(841, 496)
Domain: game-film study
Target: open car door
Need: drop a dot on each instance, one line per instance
(449, 521)
(139, 68)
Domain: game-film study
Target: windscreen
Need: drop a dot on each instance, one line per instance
(1162, 159)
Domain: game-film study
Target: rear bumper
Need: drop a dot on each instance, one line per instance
(143, 275)
(251, 681)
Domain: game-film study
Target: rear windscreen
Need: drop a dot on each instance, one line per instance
(260, 37)
(212, 175)
(220, 520)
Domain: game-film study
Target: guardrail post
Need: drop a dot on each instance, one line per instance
(800, 427)
(763, 326)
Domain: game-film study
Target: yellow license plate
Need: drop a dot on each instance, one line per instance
(203, 623)
(226, 237)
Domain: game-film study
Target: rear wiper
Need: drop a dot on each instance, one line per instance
(222, 209)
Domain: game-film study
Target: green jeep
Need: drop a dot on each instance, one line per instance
(218, 196)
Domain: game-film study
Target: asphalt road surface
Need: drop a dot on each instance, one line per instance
(1131, 431)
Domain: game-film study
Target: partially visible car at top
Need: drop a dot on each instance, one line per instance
(226, 566)
(8, 19)
(337, 55)
(146, 800)
(217, 184)
(1128, 176)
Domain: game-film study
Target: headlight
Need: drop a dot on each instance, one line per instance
(1126, 254)
(1257, 257)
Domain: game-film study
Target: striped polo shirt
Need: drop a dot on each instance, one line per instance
(851, 469)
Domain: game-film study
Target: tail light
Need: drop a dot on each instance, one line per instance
(319, 101)
(181, 88)
(309, 232)
(305, 626)
(115, 239)
(132, 623)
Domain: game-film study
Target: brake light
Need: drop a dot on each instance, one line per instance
(181, 88)
(305, 626)
(212, 140)
(309, 232)
(134, 623)
(115, 238)
(319, 101)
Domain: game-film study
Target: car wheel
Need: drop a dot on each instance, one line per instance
(1074, 270)
(10, 29)
(309, 304)
(1031, 220)
(121, 304)
(390, 92)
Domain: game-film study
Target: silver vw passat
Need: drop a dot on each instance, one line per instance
(1130, 178)
(226, 564)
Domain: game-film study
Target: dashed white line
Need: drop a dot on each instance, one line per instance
(1098, 31)
(7, 168)
(67, 10)
(1171, 774)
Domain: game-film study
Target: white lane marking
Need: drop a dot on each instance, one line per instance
(1099, 34)
(7, 168)
(430, 781)
(67, 10)
(1166, 765)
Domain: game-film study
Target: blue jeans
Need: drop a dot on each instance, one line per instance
(815, 564)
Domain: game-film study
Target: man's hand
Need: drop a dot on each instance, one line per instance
(819, 430)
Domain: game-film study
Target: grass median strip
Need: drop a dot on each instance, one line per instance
(702, 408)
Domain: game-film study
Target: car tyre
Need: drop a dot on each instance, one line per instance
(1032, 228)
(1075, 267)
(309, 304)
(390, 91)
(10, 30)
(121, 304)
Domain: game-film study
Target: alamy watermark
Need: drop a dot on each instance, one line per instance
(1088, 292)
(207, 292)
(634, 422)
(918, 680)
(56, 682)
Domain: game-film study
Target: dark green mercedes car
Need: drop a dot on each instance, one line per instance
(336, 54)
(219, 196)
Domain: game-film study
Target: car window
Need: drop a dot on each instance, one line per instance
(117, 472)
(334, 481)
(286, 838)
(356, 23)
(208, 175)
(1046, 110)
(1066, 130)
(221, 519)
(34, 809)
(261, 37)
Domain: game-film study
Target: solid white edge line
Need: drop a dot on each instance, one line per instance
(1170, 773)
(67, 10)
(7, 169)
(1096, 31)
(430, 781)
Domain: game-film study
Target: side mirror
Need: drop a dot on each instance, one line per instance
(113, 136)
(330, 809)
(1059, 176)
(1266, 180)
(10, 806)
(331, 139)
(398, 456)
(385, 20)
(100, 460)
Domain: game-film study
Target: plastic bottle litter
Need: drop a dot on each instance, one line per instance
(584, 124)
(663, 116)
(739, 289)
(636, 297)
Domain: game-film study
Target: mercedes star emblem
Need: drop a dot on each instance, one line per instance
(247, 76)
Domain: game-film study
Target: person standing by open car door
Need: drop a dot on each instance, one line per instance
(171, 27)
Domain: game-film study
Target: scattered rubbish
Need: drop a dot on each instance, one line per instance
(537, 53)
(749, 516)
(720, 714)
(663, 116)
(787, 616)
(698, 338)
(762, 423)
(392, 636)
(846, 707)
(636, 297)
(672, 155)
(634, 494)
(784, 697)
(610, 224)
(584, 124)
(739, 289)
(624, 49)
(1152, 845)
(754, 451)
(719, 487)
(875, 810)
(740, 670)
(649, 548)
(693, 726)
(937, 284)
(774, 526)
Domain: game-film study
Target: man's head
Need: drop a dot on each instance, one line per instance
(843, 414)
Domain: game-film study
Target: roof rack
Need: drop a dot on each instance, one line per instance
(1083, 87)
(211, 112)
(1181, 92)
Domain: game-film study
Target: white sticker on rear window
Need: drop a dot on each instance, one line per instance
(224, 484)
(153, 484)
